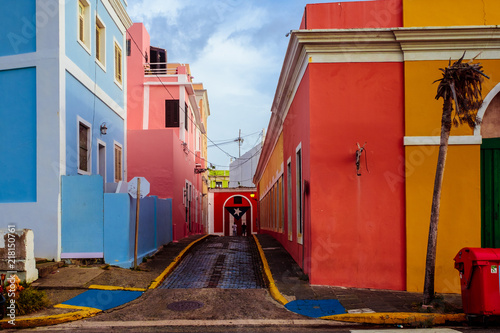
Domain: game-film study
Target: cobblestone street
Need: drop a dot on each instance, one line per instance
(219, 262)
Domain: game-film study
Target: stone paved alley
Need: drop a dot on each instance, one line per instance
(219, 262)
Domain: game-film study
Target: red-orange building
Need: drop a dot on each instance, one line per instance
(233, 206)
(347, 168)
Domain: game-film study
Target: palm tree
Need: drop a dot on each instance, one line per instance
(460, 85)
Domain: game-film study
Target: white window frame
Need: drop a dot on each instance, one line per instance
(87, 34)
(79, 121)
(116, 143)
(101, 143)
(102, 43)
(282, 202)
(298, 194)
(289, 198)
(115, 45)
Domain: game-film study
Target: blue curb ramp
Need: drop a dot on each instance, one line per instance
(316, 308)
(103, 299)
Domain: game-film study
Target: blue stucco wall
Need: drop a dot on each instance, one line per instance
(97, 222)
(82, 222)
(147, 226)
(17, 27)
(163, 221)
(155, 227)
(117, 229)
(81, 102)
(18, 144)
(86, 61)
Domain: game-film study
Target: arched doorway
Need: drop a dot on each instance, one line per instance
(490, 169)
(237, 210)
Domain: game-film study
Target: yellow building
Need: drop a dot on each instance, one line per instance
(204, 106)
(463, 25)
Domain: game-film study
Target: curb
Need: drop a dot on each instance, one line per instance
(98, 287)
(275, 293)
(174, 264)
(86, 312)
(398, 318)
(377, 318)
(83, 312)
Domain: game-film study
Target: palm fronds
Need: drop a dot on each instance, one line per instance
(462, 81)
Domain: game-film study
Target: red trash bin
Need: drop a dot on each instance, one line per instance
(479, 280)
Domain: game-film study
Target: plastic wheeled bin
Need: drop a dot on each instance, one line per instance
(479, 280)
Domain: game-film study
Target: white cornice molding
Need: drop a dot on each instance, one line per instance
(438, 43)
(122, 13)
(435, 140)
(370, 45)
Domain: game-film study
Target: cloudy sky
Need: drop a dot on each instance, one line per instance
(235, 48)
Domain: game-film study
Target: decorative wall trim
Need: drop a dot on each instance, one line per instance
(437, 43)
(145, 111)
(80, 75)
(122, 13)
(435, 140)
(486, 103)
(371, 45)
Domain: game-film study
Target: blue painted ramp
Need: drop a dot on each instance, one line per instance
(316, 308)
(103, 299)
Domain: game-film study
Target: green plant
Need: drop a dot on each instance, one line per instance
(31, 300)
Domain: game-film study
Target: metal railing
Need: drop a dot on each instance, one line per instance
(159, 68)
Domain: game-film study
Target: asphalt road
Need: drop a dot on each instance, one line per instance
(244, 327)
(219, 290)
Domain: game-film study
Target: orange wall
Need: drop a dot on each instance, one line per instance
(421, 13)
(273, 167)
(358, 222)
(349, 15)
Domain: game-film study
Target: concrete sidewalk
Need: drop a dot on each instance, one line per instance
(71, 281)
(362, 305)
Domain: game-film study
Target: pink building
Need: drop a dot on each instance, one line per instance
(166, 131)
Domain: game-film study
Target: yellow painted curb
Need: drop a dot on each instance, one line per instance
(275, 293)
(398, 318)
(31, 322)
(173, 264)
(95, 286)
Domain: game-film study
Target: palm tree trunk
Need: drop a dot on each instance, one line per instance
(430, 263)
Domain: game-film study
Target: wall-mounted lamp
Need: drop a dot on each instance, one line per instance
(199, 170)
(104, 129)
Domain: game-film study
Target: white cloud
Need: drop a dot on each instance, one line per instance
(146, 10)
(232, 49)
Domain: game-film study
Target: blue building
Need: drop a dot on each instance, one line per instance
(62, 113)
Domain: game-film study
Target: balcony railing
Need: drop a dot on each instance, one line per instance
(159, 68)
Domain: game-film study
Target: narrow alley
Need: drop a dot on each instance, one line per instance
(219, 262)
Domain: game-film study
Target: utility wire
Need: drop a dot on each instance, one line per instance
(180, 106)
